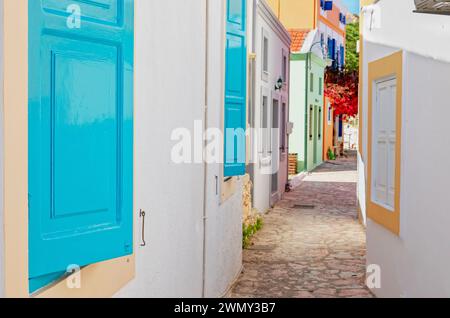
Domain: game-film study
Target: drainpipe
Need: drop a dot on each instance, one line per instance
(205, 166)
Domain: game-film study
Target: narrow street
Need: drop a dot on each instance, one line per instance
(312, 244)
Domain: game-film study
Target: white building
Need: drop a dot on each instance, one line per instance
(269, 105)
(193, 228)
(403, 178)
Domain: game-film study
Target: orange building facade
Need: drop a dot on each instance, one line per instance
(328, 129)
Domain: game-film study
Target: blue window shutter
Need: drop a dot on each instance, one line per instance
(80, 121)
(330, 48)
(342, 50)
(328, 6)
(235, 89)
(322, 3)
(334, 53)
(334, 48)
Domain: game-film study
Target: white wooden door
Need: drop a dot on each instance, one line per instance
(384, 143)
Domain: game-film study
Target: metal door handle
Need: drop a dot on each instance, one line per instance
(142, 216)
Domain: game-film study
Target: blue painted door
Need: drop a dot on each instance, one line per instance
(80, 134)
(235, 88)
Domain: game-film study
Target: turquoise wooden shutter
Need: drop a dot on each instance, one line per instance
(80, 134)
(235, 89)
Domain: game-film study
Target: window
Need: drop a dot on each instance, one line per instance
(328, 5)
(283, 128)
(320, 86)
(384, 143)
(330, 114)
(264, 127)
(384, 118)
(275, 125)
(310, 125)
(330, 48)
(320, 123)
(265, 56)
(284, 67)
(311, 82)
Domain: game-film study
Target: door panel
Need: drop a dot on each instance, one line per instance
(384, 133)
(275, 145)
(316, 135)
(80, 136)
(235, 89)
(103, 11)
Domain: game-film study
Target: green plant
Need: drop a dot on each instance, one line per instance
(250, 230)
(352, 56)
(331, 155)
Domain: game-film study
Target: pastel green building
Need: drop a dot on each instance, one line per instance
(307, 101)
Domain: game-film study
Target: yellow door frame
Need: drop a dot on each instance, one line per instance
(385, 67)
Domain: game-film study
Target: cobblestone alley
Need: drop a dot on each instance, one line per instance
(312, 244)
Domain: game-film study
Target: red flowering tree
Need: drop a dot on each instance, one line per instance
(342, 89)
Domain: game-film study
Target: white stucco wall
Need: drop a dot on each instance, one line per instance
(2, 279)
(279, 40)
(416, 263)
(297, 108)
(170, 93)
(167, 57)
(361, 188)
(223, 219)
(395, 24)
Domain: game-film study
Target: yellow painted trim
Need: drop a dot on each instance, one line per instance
(364, 3)
(388, 66)
(332, 26)
(98, 280)
(360, 97)
(228, 189)
(15, 127)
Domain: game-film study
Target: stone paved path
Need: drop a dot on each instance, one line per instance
(312, 244)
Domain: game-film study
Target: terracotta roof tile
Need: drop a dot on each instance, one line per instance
(298, 38)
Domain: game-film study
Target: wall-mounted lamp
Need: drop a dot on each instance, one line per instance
(279, 84)
(311, 49)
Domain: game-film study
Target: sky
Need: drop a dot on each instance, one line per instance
(352, 5)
